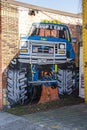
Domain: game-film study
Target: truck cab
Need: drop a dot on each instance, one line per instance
(46, 43)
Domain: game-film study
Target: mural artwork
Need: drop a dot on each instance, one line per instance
(45, 67)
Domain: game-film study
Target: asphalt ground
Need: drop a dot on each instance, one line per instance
(64, 118)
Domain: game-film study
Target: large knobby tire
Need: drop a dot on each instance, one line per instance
(16, 83)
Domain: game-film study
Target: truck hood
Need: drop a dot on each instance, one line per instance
(45, 38)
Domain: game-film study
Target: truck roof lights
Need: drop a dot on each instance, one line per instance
(51, 21)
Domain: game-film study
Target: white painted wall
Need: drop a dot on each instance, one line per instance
(26, 20)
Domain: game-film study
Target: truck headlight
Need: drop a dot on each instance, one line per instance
(23, 44)
(62, 46)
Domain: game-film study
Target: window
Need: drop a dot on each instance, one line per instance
(49, 30)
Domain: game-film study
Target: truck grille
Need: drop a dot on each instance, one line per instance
(48, 48)
(43, 49)
(44, 52)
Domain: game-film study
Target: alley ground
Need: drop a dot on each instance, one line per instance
(64, 118)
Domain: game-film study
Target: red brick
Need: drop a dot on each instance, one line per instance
(8, 41)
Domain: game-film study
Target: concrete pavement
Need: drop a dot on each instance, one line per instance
(65, 118)
(12, 122)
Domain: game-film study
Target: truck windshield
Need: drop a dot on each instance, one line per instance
(50, 30)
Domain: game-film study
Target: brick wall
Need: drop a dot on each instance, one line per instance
(76, 31)
(9, 43)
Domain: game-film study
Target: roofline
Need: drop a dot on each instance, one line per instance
(26, 5)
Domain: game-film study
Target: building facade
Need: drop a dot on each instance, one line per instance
(15, 21)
